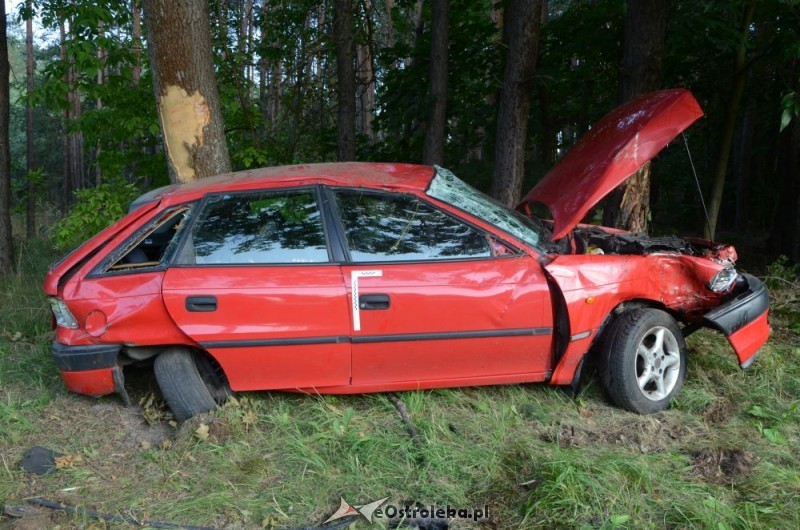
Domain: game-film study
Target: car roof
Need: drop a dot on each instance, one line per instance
(397, 177)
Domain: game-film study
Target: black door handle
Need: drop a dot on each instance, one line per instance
(201, 304)
(373, 301)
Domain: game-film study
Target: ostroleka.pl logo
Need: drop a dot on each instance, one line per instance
(377, 510)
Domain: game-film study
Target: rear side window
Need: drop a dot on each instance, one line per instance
(394, 227)
(257, 228)
(152, 246)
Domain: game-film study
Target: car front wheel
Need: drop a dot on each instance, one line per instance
(645, 361)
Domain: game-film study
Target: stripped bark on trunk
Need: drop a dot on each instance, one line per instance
(628, 207)
(179, 40)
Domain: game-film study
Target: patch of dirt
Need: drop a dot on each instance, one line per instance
(644, 434)
(130, 425)
(722, 465)
(36, 519)
(566, 436)
(719, 412)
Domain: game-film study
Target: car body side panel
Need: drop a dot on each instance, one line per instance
(452, 320)
(273, 326)
(123, 309)
(594, 285)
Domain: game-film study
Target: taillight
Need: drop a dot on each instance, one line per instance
(62, 314)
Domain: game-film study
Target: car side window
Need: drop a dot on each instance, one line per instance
(394, 227)
(154, 245)
(266, 227)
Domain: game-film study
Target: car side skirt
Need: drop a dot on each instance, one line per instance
(399, 386)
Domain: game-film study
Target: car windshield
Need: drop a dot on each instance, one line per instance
(448, 188)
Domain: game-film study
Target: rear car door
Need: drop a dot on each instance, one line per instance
(434, 298)
(254, 285)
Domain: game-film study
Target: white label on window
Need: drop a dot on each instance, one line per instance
(354, 276)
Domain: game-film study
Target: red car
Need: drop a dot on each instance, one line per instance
(361, 277)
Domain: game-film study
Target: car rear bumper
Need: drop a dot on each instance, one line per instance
(743, 319)
(90, 370)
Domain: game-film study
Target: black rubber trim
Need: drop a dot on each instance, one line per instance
(479, 334)
(82, 358)
(298, 341)
(741, 309)
(404, 337)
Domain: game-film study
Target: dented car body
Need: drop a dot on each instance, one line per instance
(356, 277)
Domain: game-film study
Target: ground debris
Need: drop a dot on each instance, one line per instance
(40, 460)
(722, 465)
(401, 408)
(719, 412)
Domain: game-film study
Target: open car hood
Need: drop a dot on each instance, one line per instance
(613, 150)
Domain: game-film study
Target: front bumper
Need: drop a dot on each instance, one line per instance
(743, 319)
(90, 370)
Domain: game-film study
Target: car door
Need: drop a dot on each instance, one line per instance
(254, 284)
(434, 298)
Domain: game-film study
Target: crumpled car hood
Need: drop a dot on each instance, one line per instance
(613, 150)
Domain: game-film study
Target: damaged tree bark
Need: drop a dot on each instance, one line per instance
(179, 37)
(628, 206)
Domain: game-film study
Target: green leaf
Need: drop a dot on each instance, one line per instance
(759, 412)
(619, 519)
(786, 119)
(775, 436)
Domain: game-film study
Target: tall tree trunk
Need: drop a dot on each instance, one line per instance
(628, 207)
(784, 234)
(101, 79)
(742, 160)
(30, 202)
(433, 150)
(76, 169)
(6, 241)
(179, 37)
(136, 40)
(66, 163)
(345, 80)
(366, 76)
(522, 19)
(729, 127)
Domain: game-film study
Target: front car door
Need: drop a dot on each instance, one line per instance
(255, 285)
(436, 300)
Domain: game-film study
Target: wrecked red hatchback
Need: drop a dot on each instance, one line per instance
(357, 277)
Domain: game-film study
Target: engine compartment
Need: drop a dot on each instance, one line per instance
(595, 240)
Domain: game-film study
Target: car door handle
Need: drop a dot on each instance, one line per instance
(368, 302)
(201, 304)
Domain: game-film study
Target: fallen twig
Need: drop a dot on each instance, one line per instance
(401, 408)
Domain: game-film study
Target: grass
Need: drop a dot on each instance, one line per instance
(723, 457)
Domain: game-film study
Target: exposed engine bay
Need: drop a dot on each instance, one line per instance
(595, 240)
(587, 239)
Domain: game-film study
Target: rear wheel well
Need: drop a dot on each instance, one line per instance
(208, 367)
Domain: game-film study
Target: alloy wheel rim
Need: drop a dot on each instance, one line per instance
(657, 363)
